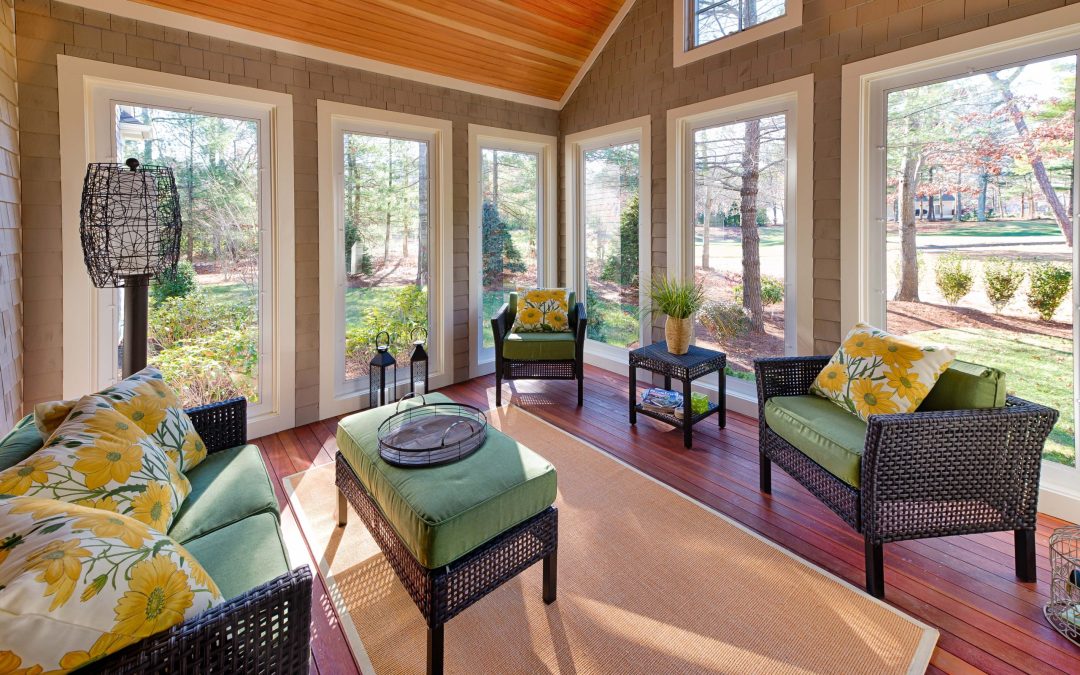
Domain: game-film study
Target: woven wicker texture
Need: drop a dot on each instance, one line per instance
(649, 582)
(509, 369)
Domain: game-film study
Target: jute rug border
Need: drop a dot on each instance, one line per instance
(919, 663)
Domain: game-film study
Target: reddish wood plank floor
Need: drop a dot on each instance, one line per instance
(963, 586)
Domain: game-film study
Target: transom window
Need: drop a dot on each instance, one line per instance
(705, 28)
(715, 19)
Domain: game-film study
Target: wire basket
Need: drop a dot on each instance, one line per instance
(431, 434)
(1063, 609)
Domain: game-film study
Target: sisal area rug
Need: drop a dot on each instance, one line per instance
(650, 581)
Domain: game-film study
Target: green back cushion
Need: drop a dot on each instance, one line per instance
(21, 442)
(967, 386)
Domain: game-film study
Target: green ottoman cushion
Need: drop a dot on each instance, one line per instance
(443, 512)
(822, 430)
(22, 441)
(539, 346)
(243, 555)
(226, 487)
(966, 386)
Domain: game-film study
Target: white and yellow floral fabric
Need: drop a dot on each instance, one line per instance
(100, 458)
(145, 399)
(875, 373)
(542, 310)
(79, 583)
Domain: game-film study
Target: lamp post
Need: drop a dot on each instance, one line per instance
(130, 228)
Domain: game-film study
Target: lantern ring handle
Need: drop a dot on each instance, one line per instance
(411, 394)
(417, 330)
(442, 442)
(379, 335)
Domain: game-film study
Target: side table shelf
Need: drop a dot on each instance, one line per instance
(685, 368)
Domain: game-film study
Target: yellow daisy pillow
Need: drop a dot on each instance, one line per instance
(100, 458)
(542, 310)
(79, 584)
(875, 373)
(151, 404)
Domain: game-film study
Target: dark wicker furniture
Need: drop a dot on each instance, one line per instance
(266, 630)
(442, 593)
(512, 369)
(696, 363)
(923, 474)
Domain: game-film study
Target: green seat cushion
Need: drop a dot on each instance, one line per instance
(966, 386)
(539, 346)
(243, 555)
(822, 430)
(226, 487)
(443, 512)
(23, 440)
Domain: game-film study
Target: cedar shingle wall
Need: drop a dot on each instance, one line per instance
(634, 76)
(46, 29)
(11, 318)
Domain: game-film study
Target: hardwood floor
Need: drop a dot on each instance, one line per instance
(963, 586)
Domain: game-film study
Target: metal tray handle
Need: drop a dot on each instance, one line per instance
(442, 442)
(411, 394)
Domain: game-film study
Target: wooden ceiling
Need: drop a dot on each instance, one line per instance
(533, 47)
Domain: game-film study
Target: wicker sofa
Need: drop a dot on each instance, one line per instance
(539, 356)
(967, 461)
(229, 523)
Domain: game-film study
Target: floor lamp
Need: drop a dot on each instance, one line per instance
(130, 228)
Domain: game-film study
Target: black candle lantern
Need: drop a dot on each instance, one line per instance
(377, 380)
(419, 361)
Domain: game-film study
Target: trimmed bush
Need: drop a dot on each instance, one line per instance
(178, 283)
(725, 321)
(214, 367)
(1050, 283)
(954, 277)
(1002, 279)
(772, 291)
(180, 320)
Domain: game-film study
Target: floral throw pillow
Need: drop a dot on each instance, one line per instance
(80, 583)
(875, 373)
(101, 459)
(542, 310)
(145, 399)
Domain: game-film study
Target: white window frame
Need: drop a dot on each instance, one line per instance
(865, 84)
(686, 53)
(482, 361)
(795, 99)
(334, 121)
(87, 92)
(637, 130)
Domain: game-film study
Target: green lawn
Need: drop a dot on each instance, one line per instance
(234, 292)
(1037, 367)
(770, 236)
(998, 228)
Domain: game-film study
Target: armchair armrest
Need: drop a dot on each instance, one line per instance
(266, 630)
(786, 375)
(221, 425)
(954, 471)
(579, 320)
(500, 326)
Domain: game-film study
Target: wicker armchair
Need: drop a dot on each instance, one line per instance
(265, 630)
(539, 367)
(922, 474)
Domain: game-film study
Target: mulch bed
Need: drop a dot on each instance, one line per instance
(911, 317)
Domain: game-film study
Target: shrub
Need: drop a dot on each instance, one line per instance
(954, 277)
(725, 321)
(403, 315)
(1002, 279)
(762, 218)
(212, 367)
(180, 320)
(499, 254)
(772, 291)
(623, 268)
(1050, 284)
(178, 283)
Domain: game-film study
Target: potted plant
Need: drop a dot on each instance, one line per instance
(679, 300)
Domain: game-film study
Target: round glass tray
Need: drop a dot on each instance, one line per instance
(431, 434)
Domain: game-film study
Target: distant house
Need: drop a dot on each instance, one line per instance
(944, 208)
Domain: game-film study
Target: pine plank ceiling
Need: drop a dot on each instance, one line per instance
(532, 47)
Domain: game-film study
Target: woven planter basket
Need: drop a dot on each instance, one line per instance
(677, 332)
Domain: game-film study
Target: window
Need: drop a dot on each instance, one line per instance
(607, 197)
(705, 28)
(382, 216)
(511, 209)
(715, 19)
(225, 325)
(742, 216)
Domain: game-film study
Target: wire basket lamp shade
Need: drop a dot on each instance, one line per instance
(129, 223)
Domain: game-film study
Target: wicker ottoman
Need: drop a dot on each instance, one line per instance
(452, 533)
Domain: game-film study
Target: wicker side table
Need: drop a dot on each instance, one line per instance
(694, 364)
(1063, 608)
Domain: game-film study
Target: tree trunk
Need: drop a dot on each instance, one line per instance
(706, 239)
(389, 201)
(930, 211)
(984, 185)
(1033, 156)
(957, 207)
(751, 239)
(908, 290)
(422, 231)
